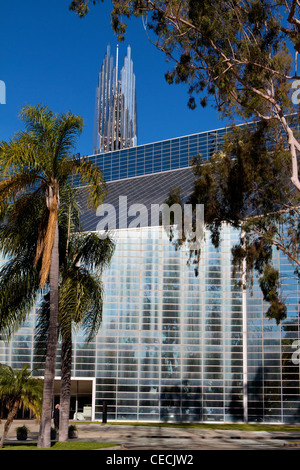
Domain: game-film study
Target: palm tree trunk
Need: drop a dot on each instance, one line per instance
(44, 440)
(66, 367)
(65, 388)
(11, 415)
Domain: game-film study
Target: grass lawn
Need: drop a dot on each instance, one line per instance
(63, 446)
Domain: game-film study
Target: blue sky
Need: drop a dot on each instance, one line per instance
(49, 55)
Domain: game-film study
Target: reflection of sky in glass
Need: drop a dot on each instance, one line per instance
(171, 345)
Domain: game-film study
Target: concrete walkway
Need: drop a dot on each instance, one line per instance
(168, 438)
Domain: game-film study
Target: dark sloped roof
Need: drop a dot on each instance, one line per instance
(146, 190)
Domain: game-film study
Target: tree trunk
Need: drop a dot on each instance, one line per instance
(11, 415)
(65, 388)
(44, 440)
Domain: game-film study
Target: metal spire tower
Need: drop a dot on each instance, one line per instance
(115, 123)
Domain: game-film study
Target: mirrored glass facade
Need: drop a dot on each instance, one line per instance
(168, 349)
(159, 156)
(273, 353)
(171, 343)
(174, 346)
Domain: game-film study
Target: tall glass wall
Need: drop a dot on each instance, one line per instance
(273, 361)
(171, 344)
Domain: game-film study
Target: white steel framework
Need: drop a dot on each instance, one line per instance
(115, 125)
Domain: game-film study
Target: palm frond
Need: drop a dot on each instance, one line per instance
(41, 329)
(15, 186)
(92, 251)
(18, 386)
(38, 120)
(19, 225)
(68, 218)
(68, 127)
(18, 152)
(35, 160)
(80, 301)
(90, 175)
(19, 288)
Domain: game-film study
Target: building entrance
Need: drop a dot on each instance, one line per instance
(82, 399)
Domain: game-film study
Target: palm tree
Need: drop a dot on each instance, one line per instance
(83, 257)
(80, 306)
(81, 303)
(34, 166)
(18, 388)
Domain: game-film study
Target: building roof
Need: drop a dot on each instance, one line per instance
(146, 190)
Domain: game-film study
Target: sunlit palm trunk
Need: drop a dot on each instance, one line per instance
(10, 418)
(44, 440)
(65, 388)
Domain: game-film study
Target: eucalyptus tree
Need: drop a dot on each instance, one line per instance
(34, 165)
(246, 184)
(236, 54)
(19, 389)
(240, 56)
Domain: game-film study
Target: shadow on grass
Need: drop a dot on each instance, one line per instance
(62, 446)
(219, 426)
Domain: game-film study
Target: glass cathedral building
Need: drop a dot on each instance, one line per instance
(174, 346)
